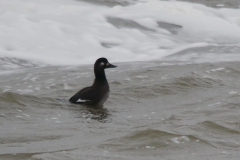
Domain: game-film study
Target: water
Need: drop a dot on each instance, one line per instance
(156, 110)
(174, 95)
(61, 32)
(218, 3)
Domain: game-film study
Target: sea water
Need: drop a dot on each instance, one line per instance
(174, 95)
(60, 32)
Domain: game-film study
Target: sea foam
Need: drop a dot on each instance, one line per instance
(68, 32)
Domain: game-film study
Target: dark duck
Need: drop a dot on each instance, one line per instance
(98, 93)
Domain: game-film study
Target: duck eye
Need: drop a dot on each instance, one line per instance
(102, 64)
(107, 64)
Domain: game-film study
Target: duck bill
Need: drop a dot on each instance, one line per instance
(111, 66)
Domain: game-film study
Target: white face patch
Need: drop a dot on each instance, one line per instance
(102, 64)
(107, 64)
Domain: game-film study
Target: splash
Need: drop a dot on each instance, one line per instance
(61, 32)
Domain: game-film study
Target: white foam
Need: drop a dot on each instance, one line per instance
(232, 92)
(215, 70)
(26, 115)
(181, 139)
(68, 32)
(25, 90)
(54, 118)
(127, 79)
(6, 90)
(149, 147)
(220, 5)
(58, 122)
(66, 86)
(37, 88)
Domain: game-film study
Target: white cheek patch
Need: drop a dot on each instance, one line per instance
(102, 64)
(107, 64)
(81, 100)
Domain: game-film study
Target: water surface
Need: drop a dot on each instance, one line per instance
(161, 109)
(175, 93)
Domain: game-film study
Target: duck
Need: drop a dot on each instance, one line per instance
(97, 94)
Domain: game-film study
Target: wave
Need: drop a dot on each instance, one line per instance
(76, 33)
(217, 134)
(150, 89)
(8, 63)
(214, 127)
(11, 100)
(153, 139)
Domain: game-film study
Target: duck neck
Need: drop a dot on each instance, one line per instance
(100, 74)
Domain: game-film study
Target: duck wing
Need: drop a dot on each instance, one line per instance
(81, 96)
(88, 95)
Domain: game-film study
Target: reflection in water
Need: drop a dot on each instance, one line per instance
(83, 111)
(99, 114)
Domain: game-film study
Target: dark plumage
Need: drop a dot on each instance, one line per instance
(98, 93)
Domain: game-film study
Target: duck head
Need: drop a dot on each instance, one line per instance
(100, 65)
